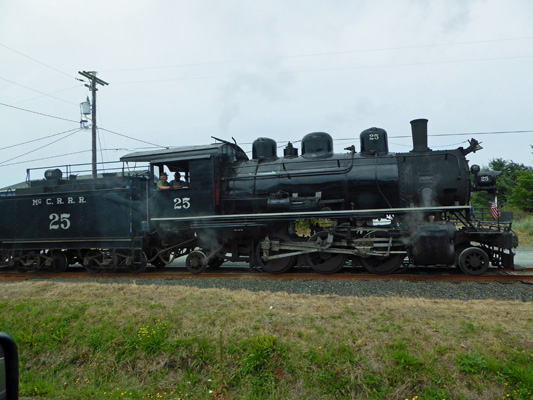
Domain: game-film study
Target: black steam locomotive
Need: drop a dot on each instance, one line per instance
(379, 210)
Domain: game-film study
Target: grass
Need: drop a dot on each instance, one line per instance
(88, 341)
(524, 228)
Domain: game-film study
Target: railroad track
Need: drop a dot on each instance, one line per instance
(429, 274)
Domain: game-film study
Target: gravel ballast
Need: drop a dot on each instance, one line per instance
(520, 291)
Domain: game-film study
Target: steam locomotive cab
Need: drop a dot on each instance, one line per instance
(201, 167)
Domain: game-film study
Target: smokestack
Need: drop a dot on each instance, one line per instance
(419, 128)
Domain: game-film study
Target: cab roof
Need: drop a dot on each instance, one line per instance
(185, 153)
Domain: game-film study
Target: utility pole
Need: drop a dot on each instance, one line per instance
(91, 75)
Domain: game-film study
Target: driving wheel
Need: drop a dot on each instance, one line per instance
(381, 265)
(323, 262)
(277, 265)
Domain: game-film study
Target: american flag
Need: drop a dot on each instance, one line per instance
(495, 210)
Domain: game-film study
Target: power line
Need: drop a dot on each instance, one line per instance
(410, 136)
(64, 119)
(70, 154)
(132, 138)
(38, 113)
(37, 61)
(470, 133)
(44, 158)
(331, 69)
(39, 148)
(37, 91)
(319, 54)
(450, 134)
(279, 142)
(49, 94)
(36, 140)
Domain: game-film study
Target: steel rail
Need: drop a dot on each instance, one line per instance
(500, 275)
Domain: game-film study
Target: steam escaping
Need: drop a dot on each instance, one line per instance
(209, 240)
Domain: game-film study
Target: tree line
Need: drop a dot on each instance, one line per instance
(514, 187)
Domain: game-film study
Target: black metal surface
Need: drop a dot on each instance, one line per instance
(9, 357)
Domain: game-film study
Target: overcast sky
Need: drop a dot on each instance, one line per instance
(180, 72)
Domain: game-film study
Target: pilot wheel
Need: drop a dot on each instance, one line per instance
(474, 261)
(196, 262)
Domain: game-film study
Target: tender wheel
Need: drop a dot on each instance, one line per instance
(322, 262)
(196, 262)
(474, 261)
(278, 265)
(90, 262)
(29, 262)
(382, 265)
(59, 262)
(138, 265)
(17, 264)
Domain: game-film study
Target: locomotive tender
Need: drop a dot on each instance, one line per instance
(373, 208)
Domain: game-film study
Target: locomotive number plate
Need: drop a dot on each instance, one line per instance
(59, 221)
(182, 203)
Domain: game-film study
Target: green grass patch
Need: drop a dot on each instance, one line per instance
(86, 341)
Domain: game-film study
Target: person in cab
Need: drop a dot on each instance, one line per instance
(162, 183)
(177, 183)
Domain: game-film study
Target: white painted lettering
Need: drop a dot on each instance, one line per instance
(70, 200)
(37, 202)
(60, 200)
(49, 201)
(81, 200)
